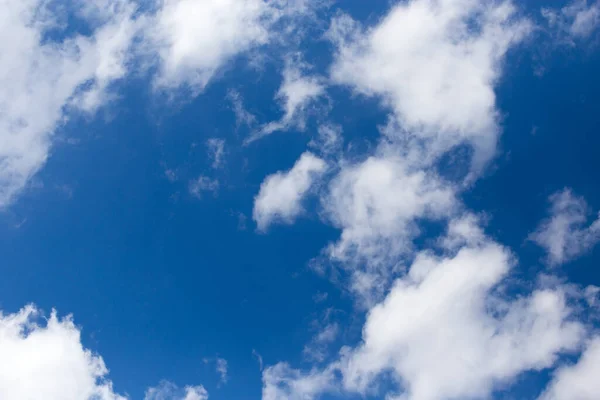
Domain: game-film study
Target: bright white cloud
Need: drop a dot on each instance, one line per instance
(564, 234)
(579, 381)
(296, 93)
(43, 77)
(48, 361)
(281, 194)
(579, 19)
(44, 359)
(169, 391)
(376, 203)
(435, 63)
(445, 332)
(196, 38)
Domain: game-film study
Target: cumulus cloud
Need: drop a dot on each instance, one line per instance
(169, 391)
(44, 359)
(435, 63)
(281, 194)
(48, 361)
(444, 331)
(376, 203)
(44, 76)
(579, 381)
(579, 19)
(296, 93)
(194, 39)
(565, 234)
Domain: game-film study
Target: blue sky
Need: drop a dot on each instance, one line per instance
(248, 199)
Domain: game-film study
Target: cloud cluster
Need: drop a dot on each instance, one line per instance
(447, 322)
(445, 331)
(578, 20)
(42, 76)
(50, 69)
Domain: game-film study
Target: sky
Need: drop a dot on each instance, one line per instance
(299, 199)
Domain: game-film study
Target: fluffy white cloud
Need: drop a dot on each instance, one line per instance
(281, 194)
(43, 75)
(444, 331)
(564, 235)
(169, 391)
(48, 362)
(44, 359)
(579, 19)
(579, 381)
(376, 204)
(194, 39)
(435, 63)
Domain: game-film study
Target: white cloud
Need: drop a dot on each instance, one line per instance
(221, 365)
(216, 151)
(281, 194)
(444, 331)
(43, 77)
(316, 350)
(435, 63)
(169, 391)
(281, 382)
(242, 116)
(579, 19)
(203, 184)
(44, 359)
(329, 139)
(194, 39)
(579, 381)
(48, 361)
(564, 235)
(375, 203)
(296, 93)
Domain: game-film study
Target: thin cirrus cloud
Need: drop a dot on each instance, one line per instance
(579, 19)
(297, 91)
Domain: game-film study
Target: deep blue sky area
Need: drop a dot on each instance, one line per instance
(159, 279)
